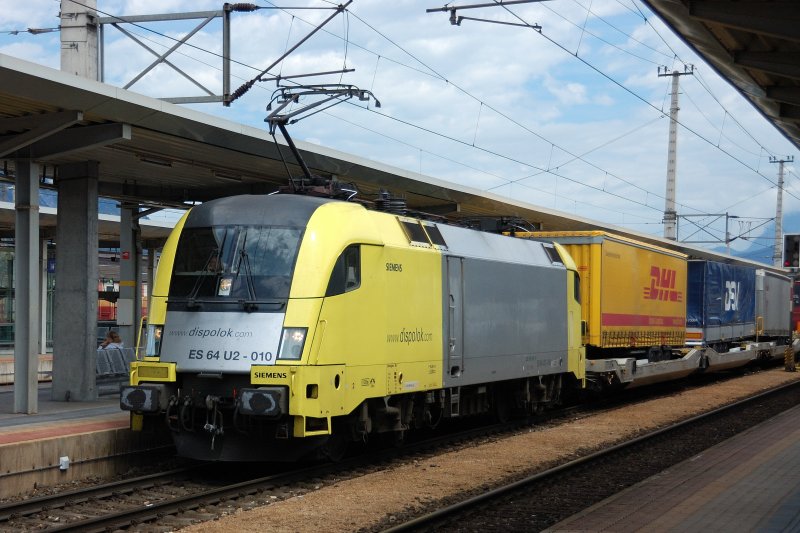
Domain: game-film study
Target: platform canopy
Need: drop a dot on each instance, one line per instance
(754, 44)
(151, 152)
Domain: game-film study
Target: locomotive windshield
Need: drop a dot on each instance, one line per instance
(236, 262)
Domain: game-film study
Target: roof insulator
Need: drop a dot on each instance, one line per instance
(242, 8)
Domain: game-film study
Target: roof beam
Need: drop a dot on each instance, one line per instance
(789, 113)
(786, 94)
(785, 64)
(441, 209)
(176, 196)
(38, 127)
(779, 19)
(76, 140)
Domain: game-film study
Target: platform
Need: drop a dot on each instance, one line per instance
(750, 482)
(44, 372)
(94, 436)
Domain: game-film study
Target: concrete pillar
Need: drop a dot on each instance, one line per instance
(79, 52)
(129, 304)
(75, 306)
(26, 274)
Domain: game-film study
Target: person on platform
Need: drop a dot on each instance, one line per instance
(111, 341)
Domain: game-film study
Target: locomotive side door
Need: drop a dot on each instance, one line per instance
(455, 316)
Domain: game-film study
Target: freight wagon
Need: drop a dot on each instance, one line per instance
(633, 297)
(720, 304)
(728, 303)
(773, 305)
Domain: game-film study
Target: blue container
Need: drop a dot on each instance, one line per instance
(720, 302)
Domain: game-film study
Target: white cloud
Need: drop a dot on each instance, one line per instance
(524, 102)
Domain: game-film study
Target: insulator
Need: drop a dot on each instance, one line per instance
(243, 8)
(241, 90)
(391, 204)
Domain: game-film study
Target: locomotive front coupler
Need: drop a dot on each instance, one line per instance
(215, 425)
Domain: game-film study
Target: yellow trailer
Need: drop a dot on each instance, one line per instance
(633, 294)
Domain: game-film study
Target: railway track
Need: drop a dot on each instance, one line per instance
(187, 495)
(542, 499)
(142, 484)
(183, 496)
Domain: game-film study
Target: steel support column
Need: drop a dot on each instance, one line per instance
(129, 304)
(43, 295)
(26, 265)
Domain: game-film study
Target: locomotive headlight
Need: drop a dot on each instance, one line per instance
(292, 341)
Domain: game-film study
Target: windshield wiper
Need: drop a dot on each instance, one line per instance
(244, 259)
(191, 299)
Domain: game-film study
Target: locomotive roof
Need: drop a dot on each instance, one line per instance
(285, 210)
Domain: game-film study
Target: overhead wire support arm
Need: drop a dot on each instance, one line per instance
(294, 76)
(460, 18)
(242, 90)
(455, 20)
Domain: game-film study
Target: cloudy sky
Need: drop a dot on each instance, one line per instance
(571, 118)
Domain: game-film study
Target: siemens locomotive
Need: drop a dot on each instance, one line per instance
(287, 323)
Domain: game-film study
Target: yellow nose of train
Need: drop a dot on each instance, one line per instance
(296, 320)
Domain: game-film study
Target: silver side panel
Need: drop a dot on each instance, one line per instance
(514, 322)
(509, 308)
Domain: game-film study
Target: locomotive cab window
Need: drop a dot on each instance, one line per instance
(552, 253)
(414, 232)
(241, 262)
(576, 287)
(435, 235)
(346, 275)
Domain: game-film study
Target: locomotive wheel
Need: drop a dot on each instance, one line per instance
(392, 439)
(502, 406)
(335, 447)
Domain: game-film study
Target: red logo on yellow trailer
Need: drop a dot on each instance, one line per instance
(662, 285)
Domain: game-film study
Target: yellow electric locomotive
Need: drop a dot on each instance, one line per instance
(287, 323)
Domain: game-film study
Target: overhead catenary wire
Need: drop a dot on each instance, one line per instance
(339, 118)
(628, 35)
(438, 75)
(644, 100)
(509, 118)
(419, 70)
(434, 73)
(482, 171)
(698, 76)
